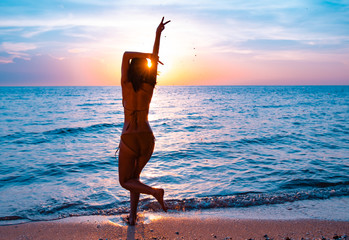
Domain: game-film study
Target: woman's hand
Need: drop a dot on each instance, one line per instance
(155, 55)
(161, 26)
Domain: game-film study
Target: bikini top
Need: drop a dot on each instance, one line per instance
(136, 113)
(134, 116)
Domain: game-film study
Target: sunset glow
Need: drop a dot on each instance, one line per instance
(206, 43)
(149, 63)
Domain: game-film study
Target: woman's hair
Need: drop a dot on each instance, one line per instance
(139, 72)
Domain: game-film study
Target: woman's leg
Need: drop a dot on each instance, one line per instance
(128, 174)
(134, 196)
(129, 170)
(142, 161)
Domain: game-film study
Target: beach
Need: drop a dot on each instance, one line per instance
(326, 219)
(178, 228)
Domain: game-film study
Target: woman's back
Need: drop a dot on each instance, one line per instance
(136, 107)
(138, 101)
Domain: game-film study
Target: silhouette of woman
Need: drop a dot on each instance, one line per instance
(137, 139)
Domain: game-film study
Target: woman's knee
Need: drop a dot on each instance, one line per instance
(123, 183)
(126, 183)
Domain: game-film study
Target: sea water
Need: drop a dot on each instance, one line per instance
(216, 147)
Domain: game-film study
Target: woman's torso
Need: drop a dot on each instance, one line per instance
(136, 107)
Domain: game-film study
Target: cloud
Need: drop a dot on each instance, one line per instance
(77, 50)
(232, 30)
(17, 47)
(282, 44)
(48, 71)
(15, 50)
(36, 31)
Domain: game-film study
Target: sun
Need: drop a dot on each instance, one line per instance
(149, 63)
(161, 68)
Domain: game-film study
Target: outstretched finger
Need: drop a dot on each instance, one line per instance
(167, 22)
(162, 20)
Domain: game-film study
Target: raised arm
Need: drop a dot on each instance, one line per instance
(126, 62)
(155, 55)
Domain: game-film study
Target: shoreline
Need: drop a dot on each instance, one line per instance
(172, 226)
(307, 219)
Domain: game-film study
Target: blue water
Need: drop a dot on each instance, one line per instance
(222, 146)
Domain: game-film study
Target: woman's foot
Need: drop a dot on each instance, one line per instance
(159, 195)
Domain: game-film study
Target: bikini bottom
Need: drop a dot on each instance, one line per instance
(141, 143)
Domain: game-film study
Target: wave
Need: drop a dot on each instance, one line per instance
(263, 140)
(46, 136)
(90, 104)
(292, 139)
(79, 208)
(91, 128)
(248, 199)
(297, 183)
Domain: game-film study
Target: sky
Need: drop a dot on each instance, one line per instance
(207, 42)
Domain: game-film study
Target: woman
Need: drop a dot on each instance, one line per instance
(137, 139)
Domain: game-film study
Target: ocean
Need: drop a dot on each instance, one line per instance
(216, 147)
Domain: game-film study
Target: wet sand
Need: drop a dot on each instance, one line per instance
(172, 227)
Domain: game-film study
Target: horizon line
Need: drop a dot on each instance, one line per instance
(211, 85)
